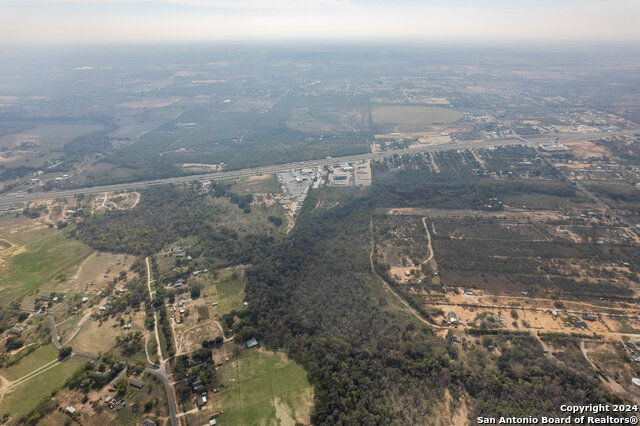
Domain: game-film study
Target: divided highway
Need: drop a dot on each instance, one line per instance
(9, 199)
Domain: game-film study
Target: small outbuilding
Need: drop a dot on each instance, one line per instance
(136, 383)
(16, 331)
(251, 343)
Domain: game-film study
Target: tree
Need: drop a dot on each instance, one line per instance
(64, 352)
(195, 291)
(123, 385)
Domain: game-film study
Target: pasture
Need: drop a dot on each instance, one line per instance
(264, 388)
(23, 398)
(38, 255)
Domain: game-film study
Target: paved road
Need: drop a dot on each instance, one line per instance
(162, 375)
(15, 197)
(160, 371)
(590, 194)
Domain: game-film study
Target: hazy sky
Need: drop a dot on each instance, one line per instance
(100, 21)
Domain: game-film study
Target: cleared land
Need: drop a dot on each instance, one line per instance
(414, 115)
(264, 388)
(23, 398)
(41, 254)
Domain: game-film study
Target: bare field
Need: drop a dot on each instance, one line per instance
(150, 103)
(537, 215)
(414, 115)
(586, 149)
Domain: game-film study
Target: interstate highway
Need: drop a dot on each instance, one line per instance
(13, 198)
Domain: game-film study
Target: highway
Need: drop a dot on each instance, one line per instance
(10, 199)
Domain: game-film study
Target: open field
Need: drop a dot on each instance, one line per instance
(267, 183)
(48, 137)
(93, 273)
(31, 362)
(24, 397)
(414, 115)
(45, 253)
(85, 339)
(227, 291)
(263, 388)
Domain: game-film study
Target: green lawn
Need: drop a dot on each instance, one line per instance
(40, 262)
(34, 360)
(26, 396)
(227, 291)
(268, 389)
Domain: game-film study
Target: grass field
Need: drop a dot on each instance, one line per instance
(39, 261)
(268, 389)
(49, 136)
(227, 291)
(414, 115)
(33, 361)
(24, 397)
(257, 184)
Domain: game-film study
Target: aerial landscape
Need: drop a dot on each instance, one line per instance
(295, 233)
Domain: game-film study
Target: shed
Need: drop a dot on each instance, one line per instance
(201, 400)
(197, 383)
(453, 317)
(136, 383)
(16, 330)
(252, 342)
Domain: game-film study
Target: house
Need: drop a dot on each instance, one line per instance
(587, 317)
(468, 293)
(102, 373)
(136, 383)
(70, 409)
(16, 330)
(252, 343)
(197, 383)
(452, 317)
(201, 400)
(212, 422)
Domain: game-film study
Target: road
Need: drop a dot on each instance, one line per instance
(588, 193)
(13, 198)
(161, 371)
(56, 341)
